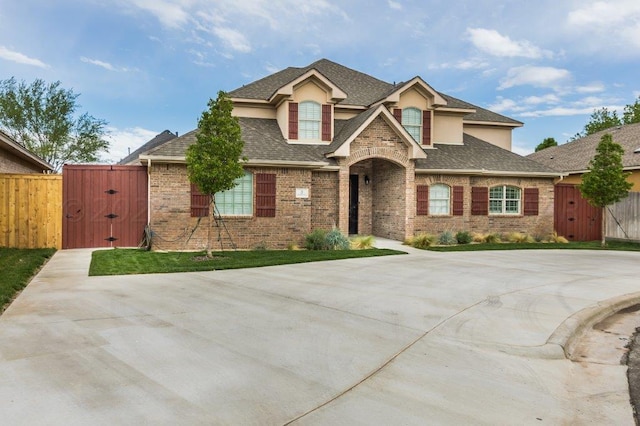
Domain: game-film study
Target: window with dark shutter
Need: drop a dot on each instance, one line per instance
(531, 196)
(422, 200)
(326, 122)
(199, 202)
(479, 201)
(397, 113)
(458, 200)
(293, 120)
(265, 195)
(426, 127)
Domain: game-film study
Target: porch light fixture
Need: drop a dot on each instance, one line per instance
(366, 179)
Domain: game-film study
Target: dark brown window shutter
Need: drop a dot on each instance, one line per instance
(265, 195)
(397, 113)
(293, 120)
(458, 200)
(422, 200)
(199, 202)
(531, 201)
(326, 122)
(426, 127)
(479, 201)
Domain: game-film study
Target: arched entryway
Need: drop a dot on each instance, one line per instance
(378, 199)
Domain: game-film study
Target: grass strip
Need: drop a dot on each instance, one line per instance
(17, 267)
(134, 261)
(587, 245)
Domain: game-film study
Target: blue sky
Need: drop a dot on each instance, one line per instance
(149, 65)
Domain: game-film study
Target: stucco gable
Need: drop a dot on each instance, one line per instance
(340, 147)
(418, 84)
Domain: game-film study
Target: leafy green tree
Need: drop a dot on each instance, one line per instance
(41, 117)
(214, 160)
(546, 143)
(601, 119)
(631, 113)
(606, 182)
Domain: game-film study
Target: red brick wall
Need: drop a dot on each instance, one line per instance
(539, 225)
(173, 226)
(389, 200)
(324, 200)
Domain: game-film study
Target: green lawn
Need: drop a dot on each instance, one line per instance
(134, 261)
(588, 245)
(17, 267)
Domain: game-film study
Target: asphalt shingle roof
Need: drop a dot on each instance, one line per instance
(478, 155)
(575, 156)
(262, 141)
(158, 140)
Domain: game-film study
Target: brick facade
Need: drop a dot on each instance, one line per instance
(386, 205)
(10, 163)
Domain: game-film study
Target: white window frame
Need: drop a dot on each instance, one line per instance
(412, 122)
(505, 200)
(439, 199)
(309, 120)
(237, 201)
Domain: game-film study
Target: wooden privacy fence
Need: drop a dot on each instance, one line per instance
(30, 210)
(623, 219)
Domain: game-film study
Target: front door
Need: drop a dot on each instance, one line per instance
(353, 204)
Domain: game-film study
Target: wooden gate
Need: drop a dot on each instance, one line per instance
(103, 206)
(575, 219)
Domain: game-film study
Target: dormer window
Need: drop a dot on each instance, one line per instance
(309, 120)
(416, 122)
(412, 122)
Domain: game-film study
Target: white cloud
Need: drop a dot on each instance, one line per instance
(495, 44)
(394, 5)
(503, 104)
(534, 76)
(559, 111)
(20, 58)
(234, 39)
(463, 64)
(595, 87)
(99, 63)
(549, 98)
(170, 13)
(606, 23)
(124, 141)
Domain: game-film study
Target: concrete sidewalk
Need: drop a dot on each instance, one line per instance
(423, 338)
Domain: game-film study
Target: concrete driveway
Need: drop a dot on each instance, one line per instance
(423, 338)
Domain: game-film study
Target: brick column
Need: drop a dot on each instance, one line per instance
(343, 197)
(410, 197)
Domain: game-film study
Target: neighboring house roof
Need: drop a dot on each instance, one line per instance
(574, 156)
(362, 90)
(159, 139)
(15, 148)
(478, 156)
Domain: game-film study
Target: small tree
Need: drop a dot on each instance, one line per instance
(214, 161)
(606, 182)
(41, 117)
(546, 143)
(631, 113)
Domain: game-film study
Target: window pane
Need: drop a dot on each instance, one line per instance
(309, 118)
(239, 199)
(495, 206)
(439, 199)
(412, 122)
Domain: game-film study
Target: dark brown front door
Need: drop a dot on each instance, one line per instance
(103, 206)
(353, 204)
(575, 219)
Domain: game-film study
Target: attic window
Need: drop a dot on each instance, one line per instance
(309, 120)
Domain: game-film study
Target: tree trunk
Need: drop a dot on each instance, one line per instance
(210, 227)
(603, 243)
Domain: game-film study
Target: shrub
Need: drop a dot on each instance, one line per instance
(362, 243)
(293, 246)
(555, 238)
(447, 238)
(519, 237)
(422, 241)
(316, 240)
(336, 240)
(261, 246)
(492, 238)
(478, 237)
(463, 237)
